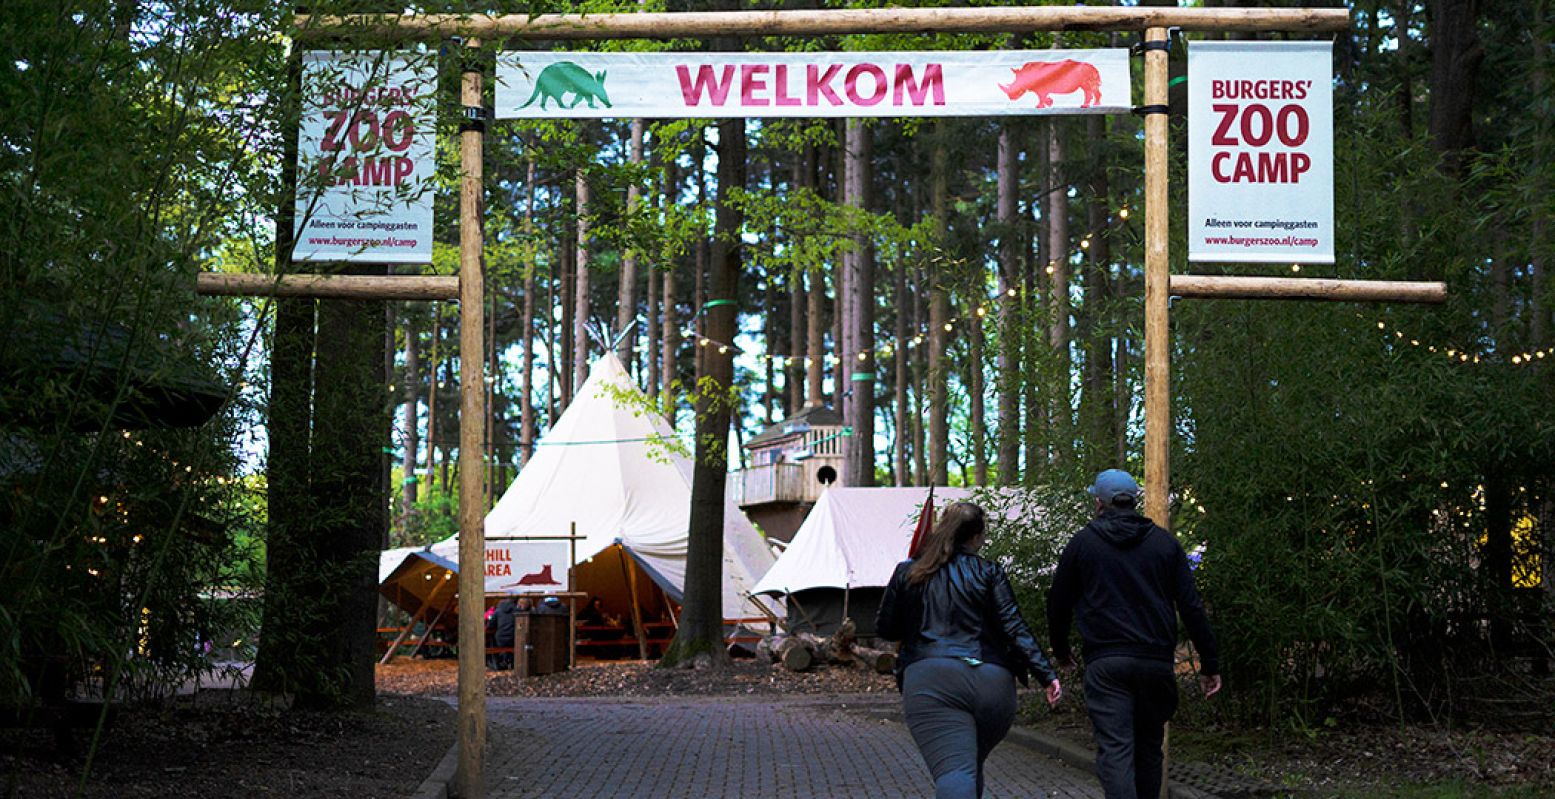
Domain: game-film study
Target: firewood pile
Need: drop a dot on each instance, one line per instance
(802, 651)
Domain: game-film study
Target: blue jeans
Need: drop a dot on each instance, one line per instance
(957, 713)
(1130, 700)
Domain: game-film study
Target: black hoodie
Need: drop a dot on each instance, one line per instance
(1125, 580)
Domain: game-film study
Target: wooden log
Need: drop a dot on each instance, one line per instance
(345, 287)
(469, 778)
(880, 660)
(799, 22)
(1227, 287)
(796, 654)
(1158, 397)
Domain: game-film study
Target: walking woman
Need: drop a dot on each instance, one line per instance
(964, 644)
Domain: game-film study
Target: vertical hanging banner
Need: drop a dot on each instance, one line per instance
(554, 85)
(1261, 152)
(366, 157)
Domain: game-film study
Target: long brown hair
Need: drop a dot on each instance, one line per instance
(960, 523)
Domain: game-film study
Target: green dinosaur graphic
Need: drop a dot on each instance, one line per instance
(565, 77)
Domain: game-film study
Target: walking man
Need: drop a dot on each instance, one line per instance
(1126, 580)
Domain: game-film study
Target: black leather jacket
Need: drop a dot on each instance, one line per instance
(966, 610)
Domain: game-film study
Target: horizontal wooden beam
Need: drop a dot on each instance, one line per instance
(345, 287)
(696, 24)
(1229, 287)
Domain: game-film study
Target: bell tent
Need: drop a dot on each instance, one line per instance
(843, 554)
(609, 470)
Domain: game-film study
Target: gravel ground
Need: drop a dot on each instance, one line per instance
(227, 745)
(634, 678)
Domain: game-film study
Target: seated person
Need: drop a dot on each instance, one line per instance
(505, 622)
(594, 615)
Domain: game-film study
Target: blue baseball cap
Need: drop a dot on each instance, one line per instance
(1112, 484)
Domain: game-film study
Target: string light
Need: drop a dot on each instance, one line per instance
(1460, 356)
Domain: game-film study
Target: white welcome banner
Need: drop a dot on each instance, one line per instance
(366, 157)
(551, 85)
(1261, 152)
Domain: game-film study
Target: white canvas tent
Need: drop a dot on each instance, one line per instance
(843, 554)
(606, 467)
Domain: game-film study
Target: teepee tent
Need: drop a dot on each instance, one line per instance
(607, 470)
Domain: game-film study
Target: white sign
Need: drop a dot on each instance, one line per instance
(549, 85)
(1261, 152)
(366, 158)
(522, 567)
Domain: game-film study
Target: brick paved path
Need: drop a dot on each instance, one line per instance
(711, 747)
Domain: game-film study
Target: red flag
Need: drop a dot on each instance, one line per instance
(925, 524)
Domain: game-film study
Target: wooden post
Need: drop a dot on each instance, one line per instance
(637, 611)
(521, 629)
(405, 633)
(469, 779)
(1158, 398)
(349, 287)
(572, 602)
(422, 641)
(1227, 287)
(821, 22)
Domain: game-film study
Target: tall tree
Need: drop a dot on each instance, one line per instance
(580, 290)
(626, 295)
(1009, 382)
(1099, 417)
(860, 282)
(1059, 307)
(939, 314)
(526, 435)
(412, 418)
(1456, 53)
(698, 640)
(350, 430)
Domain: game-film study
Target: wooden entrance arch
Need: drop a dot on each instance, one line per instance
(1153, 23)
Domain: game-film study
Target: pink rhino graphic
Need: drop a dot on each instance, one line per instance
(1044, 78)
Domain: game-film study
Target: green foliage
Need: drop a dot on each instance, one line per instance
(125, 534)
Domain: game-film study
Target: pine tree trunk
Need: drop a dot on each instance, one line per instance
(1456, 53)
(698, 641)
(815, 360)
(899, 351)
(288, 543)
(1059, 308)
(568, 278)
(279, 663)
(1096, 400)
(432, 389)
(669, 340)
(411, 419)
(1009, 380)
(769, 323)
(580, 290)
(859, 362)
(626, 295)
(700, 255)
(526, 430)
(920, 384)
(975, 387)
(350, 430)
(939, 317)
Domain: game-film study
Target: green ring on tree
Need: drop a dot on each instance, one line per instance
(715, 304)
(1176, 80)
(863, 376)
